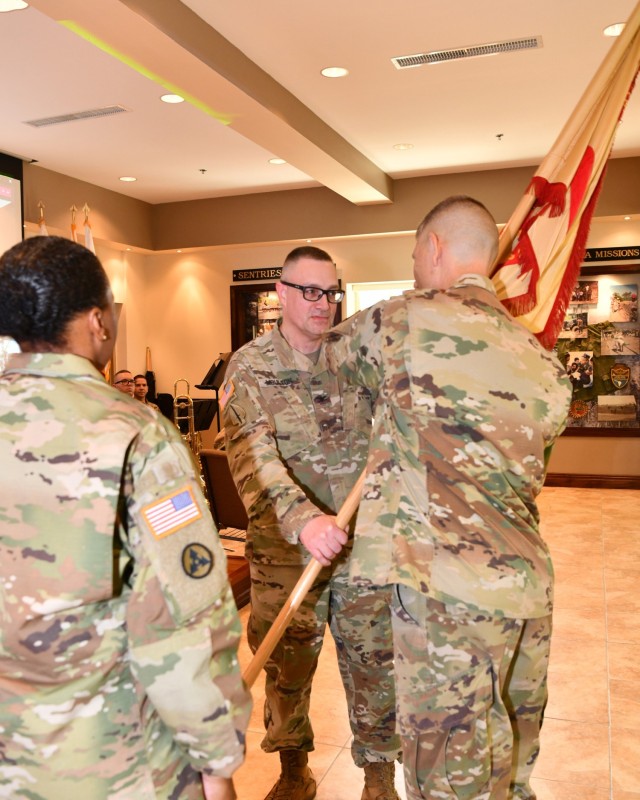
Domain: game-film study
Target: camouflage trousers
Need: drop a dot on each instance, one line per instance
(471, 694)
(361, 627)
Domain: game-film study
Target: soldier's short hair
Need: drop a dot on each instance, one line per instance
(45, 282)
(446, 205)
(306, 251)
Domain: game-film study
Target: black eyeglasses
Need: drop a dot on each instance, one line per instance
(313, 293)
(124, 381)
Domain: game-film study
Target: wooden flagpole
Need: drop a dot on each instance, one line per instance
(299, 592)
(556, 157)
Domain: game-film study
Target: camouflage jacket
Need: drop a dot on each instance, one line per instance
(468, 405)
(297, 440)
(118, 659)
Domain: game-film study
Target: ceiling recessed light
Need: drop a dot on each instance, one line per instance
(627, 219)
(277, 161)
(128, 179)
(334, 72)
(614, 30)
(12, 5)
(403, 146)
(172, 98)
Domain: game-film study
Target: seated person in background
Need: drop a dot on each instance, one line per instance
(123, 381)
(119, 674)
(140, 391)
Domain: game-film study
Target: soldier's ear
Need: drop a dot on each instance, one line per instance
(434, 247)
(281, 290)
(97, 326)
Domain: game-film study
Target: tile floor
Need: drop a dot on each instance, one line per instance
(591, 734)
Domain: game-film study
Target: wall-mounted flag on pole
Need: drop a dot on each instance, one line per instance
(543, 243)
(74, 230)
(88, 235)
(42, 228)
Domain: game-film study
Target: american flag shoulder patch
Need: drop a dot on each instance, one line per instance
(168, 514)
(227, 394)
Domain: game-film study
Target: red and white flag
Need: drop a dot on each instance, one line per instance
(42, 226)
(88, 236)
(543, 243)
(74, 227)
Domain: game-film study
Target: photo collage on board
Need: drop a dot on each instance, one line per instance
(600, 346)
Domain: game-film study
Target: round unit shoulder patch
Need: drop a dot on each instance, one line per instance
(197, 560)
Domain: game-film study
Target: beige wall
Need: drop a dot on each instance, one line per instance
(178, 304)
(114, 217)
(295, 214)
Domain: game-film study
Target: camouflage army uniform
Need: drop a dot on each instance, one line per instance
(118, 662)
(297, 442)
(468, 404)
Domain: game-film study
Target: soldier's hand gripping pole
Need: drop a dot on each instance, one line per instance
(299, 592)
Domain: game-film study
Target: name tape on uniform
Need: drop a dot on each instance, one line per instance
(169, 514)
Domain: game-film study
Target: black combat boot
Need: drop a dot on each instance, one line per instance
(378, 781)
(296, 781)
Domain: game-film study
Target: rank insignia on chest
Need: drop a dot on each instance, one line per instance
(197, 560)
(620, 375)
(170, 513)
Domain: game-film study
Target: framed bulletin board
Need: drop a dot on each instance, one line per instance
(600, 347)
(255, 309)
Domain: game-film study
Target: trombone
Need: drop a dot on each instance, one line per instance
(184, 420)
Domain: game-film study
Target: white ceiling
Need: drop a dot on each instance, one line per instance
(334, 132)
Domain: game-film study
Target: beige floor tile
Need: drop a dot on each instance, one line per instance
(625, 760)
(623, 560)
(345, 781)
(586, 622)
(571, 540)
(578, 594)
(621, 627)
(619, 506)
(560, 790)
(578, 681)
(622, 590)
(569, 574)
(577, 752)
(580, 699)
(625, 706)
(624, 661)
(569, 656)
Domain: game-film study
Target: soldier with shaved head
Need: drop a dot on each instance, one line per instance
(468, 407)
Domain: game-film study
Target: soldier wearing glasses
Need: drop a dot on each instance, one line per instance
(123, 381)
(297, 440)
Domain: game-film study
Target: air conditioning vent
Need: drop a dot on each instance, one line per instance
(106, 111)
(439, 56)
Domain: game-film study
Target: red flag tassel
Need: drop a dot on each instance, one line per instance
(549, 334)
(525, 256)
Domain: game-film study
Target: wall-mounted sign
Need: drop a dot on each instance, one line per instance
(594, 254)
(261, 274)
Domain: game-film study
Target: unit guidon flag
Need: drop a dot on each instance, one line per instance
(543, 243)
